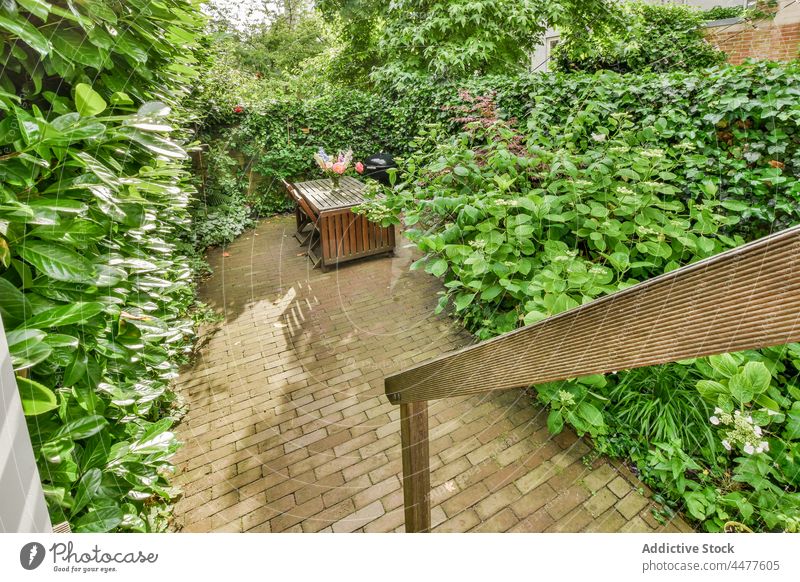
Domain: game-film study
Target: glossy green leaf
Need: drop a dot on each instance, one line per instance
(26, 32)
(66, 315)
(555, 422)
(100, 520)
(14, 306)
(87, 101)
(57, 261)
(591, 414)
(36, 398)
(82, 428)
(757, 376)
(88, 487)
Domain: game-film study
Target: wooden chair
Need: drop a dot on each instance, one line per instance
(305, 217)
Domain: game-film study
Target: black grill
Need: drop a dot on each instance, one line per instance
(375, 167)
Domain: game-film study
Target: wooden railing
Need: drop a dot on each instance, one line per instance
(745, 298)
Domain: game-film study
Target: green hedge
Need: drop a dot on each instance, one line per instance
(93, 289)
(737, 124)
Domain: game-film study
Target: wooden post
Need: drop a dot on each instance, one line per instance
(416, 466)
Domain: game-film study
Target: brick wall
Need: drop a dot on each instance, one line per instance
(764, 39)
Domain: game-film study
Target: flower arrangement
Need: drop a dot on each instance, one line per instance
(335, 167)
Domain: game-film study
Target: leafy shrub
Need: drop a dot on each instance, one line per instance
(93, 291)
(651, 38)
(723, 12)
(736, 124)
(218, 225)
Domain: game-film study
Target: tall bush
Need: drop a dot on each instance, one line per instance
(649, 38)
(93, 290)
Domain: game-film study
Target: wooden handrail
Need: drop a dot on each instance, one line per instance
(744, 298)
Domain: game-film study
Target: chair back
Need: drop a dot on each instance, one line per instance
(301, 202)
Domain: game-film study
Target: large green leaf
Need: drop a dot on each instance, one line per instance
(740, 388)
(38, 8)
(26, 32)
(36, 398)
(27, 348)
(102, 519)
(88, 487)
(555, 422)
(58, 262)
(88, 102)
(68, 314)
(758, 376)
(14, 306)
(82, 428)
(156, 144)
(591, 414)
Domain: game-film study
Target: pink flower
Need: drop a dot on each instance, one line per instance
(359, 167)
(328, 165)
(339, 167)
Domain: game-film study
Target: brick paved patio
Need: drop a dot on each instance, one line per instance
(287, 428)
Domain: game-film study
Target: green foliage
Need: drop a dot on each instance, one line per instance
(280, 48)
(358, 26)
(458, 38)
(650, 38)
(562, 188)
(756, 484)
(660, 404)
(607, 186)
(278, 139)
(529, 232)
(723, 12)
(93, 197)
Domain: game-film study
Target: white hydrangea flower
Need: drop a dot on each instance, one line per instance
(727, 445)
(599, 137)
(714, 420)
(718, 410)
(757, 430)
(749, 449)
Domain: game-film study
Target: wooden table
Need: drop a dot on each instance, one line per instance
(342, 234)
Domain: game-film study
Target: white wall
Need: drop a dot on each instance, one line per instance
(22, 505)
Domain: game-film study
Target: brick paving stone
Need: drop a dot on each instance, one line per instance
(620, 487)
(598, 478)
(598, 503)
(574, 521)
(533, 500)
(631, 504)
(288, 430)
(462, 522)
(497, 500)
(499, 522)
(636, 525)
(359, 518)
(566, 501)
(537, 522)
(608, 522)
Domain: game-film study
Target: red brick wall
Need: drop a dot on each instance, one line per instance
(759, 40)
